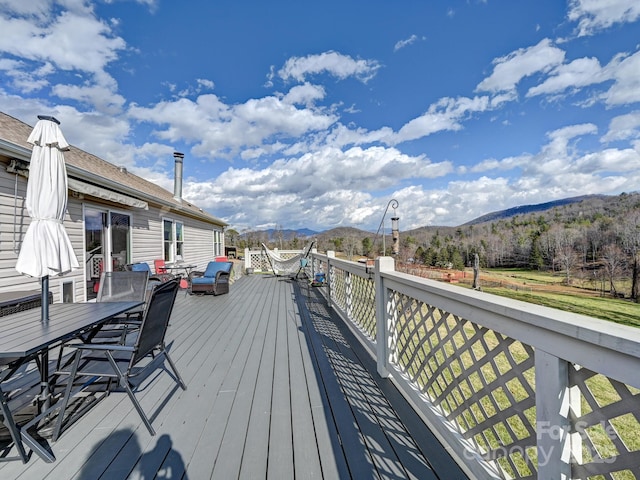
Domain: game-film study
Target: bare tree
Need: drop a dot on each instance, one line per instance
(631, 244)
(350, 246)
(612, 260)
(564, 239)
(279, 236)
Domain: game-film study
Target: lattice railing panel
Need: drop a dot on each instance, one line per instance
(363, 305)
(259, 262)
(482, 381)
(339, 287)
(607, 420)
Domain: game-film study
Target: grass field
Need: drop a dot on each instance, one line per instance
(549, 290)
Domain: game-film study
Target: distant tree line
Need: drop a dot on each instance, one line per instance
(595, 239)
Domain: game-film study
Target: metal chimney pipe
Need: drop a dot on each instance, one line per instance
(177, 182)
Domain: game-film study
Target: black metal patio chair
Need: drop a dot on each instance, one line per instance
(125, 362)
(117, 286)
(8, 408)
(123, 286)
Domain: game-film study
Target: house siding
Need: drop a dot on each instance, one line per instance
(10, 242)
(198, 239)
(146, 231)
(146, 238)
(13, 226)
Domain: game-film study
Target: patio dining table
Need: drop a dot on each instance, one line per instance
(180, 267)
(23, 337)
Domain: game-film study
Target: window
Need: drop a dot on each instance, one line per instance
(179, 240)
(67, 292)
(218, 246)
(168, 240)
(173, 239)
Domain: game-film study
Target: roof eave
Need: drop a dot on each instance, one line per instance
(12, 150)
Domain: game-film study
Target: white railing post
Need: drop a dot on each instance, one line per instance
(552, 416)
(329, 276)
(384, 320)
(348, 293)
(247, 259)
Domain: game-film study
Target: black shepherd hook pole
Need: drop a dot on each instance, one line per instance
(393, 203)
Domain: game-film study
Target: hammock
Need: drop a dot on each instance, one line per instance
(286, 266)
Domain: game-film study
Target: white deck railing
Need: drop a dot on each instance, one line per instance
(513, 390)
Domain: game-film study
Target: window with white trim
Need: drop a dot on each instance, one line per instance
(218, 243)
(172, 239)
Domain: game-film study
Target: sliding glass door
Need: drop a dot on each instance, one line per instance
(107, 244)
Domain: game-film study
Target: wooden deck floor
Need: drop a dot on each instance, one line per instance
(276, 389)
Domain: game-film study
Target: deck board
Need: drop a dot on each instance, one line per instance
(276, 389)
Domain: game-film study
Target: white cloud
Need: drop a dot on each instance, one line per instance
(329, 171)
(306, 94)
(595, 15)
(70, 40)
(623, 127)
(220, 130)
(446, 114)
(561, 138)
(521, 63)
(609, 160)
(404, 43)
(335, 185)
(33, 8)
(100, 97)
(49, 41)
(333, 63)
(579, 73)
(205, 83)
(626, 88)
(556, 158)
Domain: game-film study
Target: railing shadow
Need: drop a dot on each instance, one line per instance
(374, 440)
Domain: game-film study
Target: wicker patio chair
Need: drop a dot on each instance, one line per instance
(215, 279)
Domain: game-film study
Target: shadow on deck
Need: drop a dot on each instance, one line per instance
(277, 388)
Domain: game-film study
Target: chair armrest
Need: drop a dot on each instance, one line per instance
(105, 347)
(161, 277)
(222, 277)
(196, 273)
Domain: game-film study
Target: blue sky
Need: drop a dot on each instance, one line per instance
(299, 114)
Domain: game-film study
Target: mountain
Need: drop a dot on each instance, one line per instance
(526, 209)
(572, 206)
(287, 234)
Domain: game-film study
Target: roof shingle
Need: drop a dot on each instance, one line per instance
(78, 161)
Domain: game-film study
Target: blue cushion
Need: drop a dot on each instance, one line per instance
(215, 267)
(141, 267)
(203, 281)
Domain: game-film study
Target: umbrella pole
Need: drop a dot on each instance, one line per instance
(44, 356)
(45, 299)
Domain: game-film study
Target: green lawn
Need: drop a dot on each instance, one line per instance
(615, 310)
(578, 300)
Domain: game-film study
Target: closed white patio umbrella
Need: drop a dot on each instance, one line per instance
(46, 249)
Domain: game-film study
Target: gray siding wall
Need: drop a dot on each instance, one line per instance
(198, 243)
(146, 238)
(146, 243)
(10, 242)
(14, 220)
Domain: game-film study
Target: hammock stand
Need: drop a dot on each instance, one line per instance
(279, 264)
